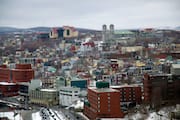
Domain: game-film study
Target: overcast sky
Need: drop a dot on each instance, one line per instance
(90, 13)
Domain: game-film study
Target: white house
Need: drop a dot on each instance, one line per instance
(88, 45)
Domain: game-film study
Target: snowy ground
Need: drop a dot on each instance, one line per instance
(162, 114)
(10, 115)
(35, 115)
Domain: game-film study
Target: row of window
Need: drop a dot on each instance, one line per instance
(130, 89)
(125, 92)
(69, 91)
(67, 94)
(127, 99)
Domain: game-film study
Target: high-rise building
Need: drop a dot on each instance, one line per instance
(161, 88)
(103, 102)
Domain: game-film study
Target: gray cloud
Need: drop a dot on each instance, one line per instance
(90, 13)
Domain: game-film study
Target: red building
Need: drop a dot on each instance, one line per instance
(114, 64)
(8, 89)
(4, 74)
(129, 93)
(8, 78)
(103, 102)
(21, 73)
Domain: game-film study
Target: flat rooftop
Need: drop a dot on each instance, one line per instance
(126, 85)
(49, 90)
(6, 83)
(101, 90)
(69, 88)
(176, 66)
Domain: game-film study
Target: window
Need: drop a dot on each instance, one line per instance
(68, 32)
(98, 106)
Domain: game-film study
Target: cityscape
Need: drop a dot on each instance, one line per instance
(103, 71)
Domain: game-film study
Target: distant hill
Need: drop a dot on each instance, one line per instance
(40, 29)
(9, 29)
(84, 30)
(4, 30)
(177, 28)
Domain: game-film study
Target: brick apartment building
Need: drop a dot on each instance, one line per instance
(103, 102)
(129, 93)
(161, 88)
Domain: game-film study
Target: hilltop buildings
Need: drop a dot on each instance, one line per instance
(65, 32)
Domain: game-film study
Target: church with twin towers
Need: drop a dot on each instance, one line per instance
(107, 34)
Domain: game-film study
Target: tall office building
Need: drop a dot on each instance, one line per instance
(161, 88)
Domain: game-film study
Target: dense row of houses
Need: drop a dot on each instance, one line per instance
(109, 74)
